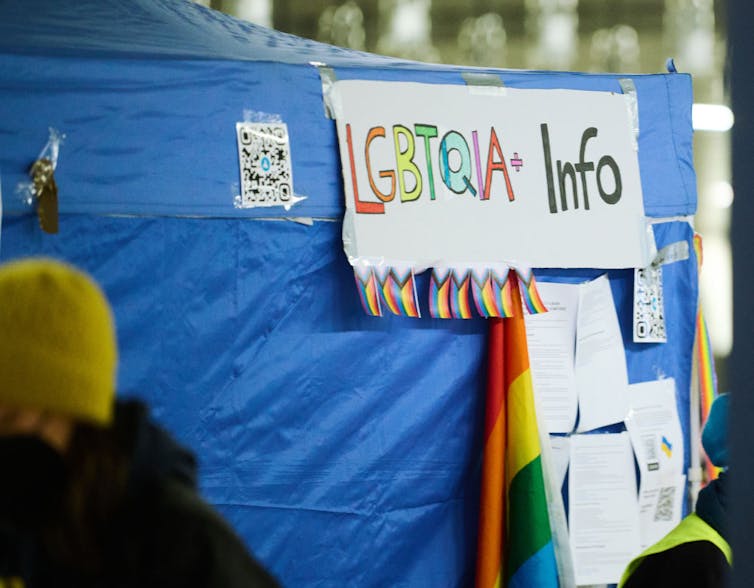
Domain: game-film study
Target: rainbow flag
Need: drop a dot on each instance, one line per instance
(492, 294)
(515, 547)
(398, 289)
(491, 511)
(459, 295)
(366, 284)
(705, 362)
(449, 293)
(528, 286)
(439, 293)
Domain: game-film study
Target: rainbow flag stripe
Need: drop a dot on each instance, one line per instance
(399, 292)
(514, 469)
(459, 295)
(705, 362)
(491, 502)
(439, 294)
(366, 284)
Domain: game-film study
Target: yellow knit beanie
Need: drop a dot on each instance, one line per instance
(58, 348)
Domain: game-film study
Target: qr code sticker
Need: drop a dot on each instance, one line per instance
(665, 501)
(264, 157)
(649, 307)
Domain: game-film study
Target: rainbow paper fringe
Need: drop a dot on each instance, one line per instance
(492, 294)
(491, 290)
(529, 294)
(366, 284)
(398, 289)
(459, 295)
(393, 289)
(454, 293)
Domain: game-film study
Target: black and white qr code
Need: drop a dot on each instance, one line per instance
(649, 307)
(264, 157)
(665, 503)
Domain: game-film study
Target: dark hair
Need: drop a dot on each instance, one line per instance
(98, 470)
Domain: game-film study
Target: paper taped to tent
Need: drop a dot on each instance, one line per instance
(344, 449)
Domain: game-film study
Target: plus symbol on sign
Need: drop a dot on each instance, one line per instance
(517, 162)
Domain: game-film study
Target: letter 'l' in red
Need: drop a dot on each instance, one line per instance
(361, 206)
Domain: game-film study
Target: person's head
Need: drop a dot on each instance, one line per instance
(62, 470)
(58, 351)
(715, 433)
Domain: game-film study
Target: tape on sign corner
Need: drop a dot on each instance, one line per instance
(678, 251)
(328, 78)
(484, 83)
(632, 103)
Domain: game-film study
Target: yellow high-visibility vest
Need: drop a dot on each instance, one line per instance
(691, 528)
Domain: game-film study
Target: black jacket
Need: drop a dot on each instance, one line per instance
(162, 534)
(697, 564)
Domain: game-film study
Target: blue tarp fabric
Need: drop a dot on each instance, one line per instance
(344, 449)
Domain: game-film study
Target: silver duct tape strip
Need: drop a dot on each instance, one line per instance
(328, 78)
(632, 103)
(484, 83)
(678, 251)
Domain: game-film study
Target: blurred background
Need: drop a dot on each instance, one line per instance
(619, 36)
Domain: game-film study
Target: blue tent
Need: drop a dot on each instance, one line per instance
(344, 449)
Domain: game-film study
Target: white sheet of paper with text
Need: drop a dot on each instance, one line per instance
(561, 455)
(660, 507)
(655, 430)
(551, 337)
(603, 508)
(600, 373)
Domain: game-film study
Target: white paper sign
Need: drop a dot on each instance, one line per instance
(601, 374)
(603, 509)
(551, 338)
(440, 175)
(561, 456)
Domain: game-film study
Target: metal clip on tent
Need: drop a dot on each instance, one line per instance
(46, 191)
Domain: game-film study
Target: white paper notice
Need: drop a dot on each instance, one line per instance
(600, 372)
(660, 507)
(551, 338)
(561, 455)
(603, 510)
(655, 431)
